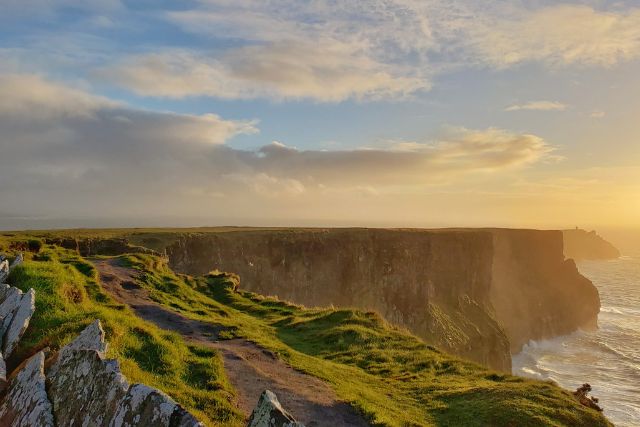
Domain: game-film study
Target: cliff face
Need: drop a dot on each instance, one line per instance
(434, 284)
(474, 293)
(580, 244)
(536, 293)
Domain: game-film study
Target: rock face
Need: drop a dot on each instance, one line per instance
(536, 293)
(581, 245)
(4, 270)
(87, 390)
(26, 402)
(16, 310)
(81, 388)
(476, 293)
(19, 322)
(269, 413)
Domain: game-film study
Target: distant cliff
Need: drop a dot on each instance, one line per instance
(587, 245)
(480, 294)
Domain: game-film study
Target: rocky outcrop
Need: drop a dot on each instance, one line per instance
(269, 413)
(4, 270)
(587, 245)
(26, 402)
(19, 322)
(82, 388)
(16, 310)
(476, 293)
(87, 389)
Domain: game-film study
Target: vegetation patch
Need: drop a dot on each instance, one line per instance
(385, 373)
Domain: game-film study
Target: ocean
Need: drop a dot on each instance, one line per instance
(609, 358)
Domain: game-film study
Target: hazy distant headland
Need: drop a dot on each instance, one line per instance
(587, 245)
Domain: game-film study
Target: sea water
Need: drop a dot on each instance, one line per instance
(609, 358)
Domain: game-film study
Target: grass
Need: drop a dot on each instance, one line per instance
(69, 297)
(387, 374)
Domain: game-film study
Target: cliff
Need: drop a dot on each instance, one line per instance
(479, 294)
(587, 245)
(535, 291)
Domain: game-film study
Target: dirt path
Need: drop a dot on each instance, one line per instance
(250, 368)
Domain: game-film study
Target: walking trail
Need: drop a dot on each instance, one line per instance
(250, 368)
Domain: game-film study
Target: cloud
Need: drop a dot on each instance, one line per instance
(598, 114)
(558, 35)
(538, 106)
(66, 151)
(328, 73)
(332, 51)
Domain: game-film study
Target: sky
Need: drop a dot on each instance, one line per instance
(399, 113)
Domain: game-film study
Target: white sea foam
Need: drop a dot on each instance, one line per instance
(608, 359)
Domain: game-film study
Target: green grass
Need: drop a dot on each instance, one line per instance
(387, 374)
(69, 297)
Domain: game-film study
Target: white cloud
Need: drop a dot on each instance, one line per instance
(330, 72)
(558, 35)
(65, 151)
(538, 106)
(331, 51)
(598, 114)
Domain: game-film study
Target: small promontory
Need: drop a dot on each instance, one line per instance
(587, 245)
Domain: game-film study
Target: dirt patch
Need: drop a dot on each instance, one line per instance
(250, 368)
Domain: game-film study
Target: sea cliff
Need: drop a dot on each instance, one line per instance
(477, 293)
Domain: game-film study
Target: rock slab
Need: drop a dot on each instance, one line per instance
(88, 390)
(269, 413)
(26, 402)
(19, 322)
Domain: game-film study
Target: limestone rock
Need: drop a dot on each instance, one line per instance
(11, 301)
(16, 262)
(8, 308)
(4, 288)
(4, 270)
(91, 338)
(20, 322)
(3, 374)
(85, 389)
(269, 413)
(26, 402)
(144, 405)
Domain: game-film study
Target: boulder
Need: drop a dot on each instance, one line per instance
(91, 338)
(269, 413)
(26, 402)
(85, 389)
(88, 390)
(146, 406)
(16, 262)
(19, 323)
(4, 270)
(11, 301)
(4, 288)
(8, 307)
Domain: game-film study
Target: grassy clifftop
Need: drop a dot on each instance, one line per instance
(388, 375)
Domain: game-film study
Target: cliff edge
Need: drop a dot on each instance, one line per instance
(477, 293)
